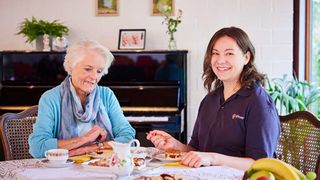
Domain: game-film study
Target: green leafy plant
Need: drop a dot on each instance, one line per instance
(33, 28)
(292, 95)
(171, 22)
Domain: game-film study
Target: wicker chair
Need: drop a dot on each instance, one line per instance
(299, 143)
(14, 131)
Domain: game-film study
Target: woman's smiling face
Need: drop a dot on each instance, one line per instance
(87, 73)
(228, 60)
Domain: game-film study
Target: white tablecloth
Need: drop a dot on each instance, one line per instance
(35, 169)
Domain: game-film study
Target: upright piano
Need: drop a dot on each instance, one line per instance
(151, 86)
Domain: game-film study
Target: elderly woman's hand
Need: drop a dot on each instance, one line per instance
(95, 134)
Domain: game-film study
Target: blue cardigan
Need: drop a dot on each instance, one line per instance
(47, 126)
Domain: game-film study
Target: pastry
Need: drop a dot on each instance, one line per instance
(173, 153)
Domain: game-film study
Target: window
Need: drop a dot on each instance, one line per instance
(314, 50)
(306, 63)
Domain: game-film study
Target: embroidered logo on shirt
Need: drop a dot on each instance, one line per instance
(236, 116)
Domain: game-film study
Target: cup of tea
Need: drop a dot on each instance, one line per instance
(57, 156)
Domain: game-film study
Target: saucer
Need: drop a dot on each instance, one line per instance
(57, 165)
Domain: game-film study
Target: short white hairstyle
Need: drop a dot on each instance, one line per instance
(78, 50)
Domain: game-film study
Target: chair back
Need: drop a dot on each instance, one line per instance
(299, 143)
(15, 129)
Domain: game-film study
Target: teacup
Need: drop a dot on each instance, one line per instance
(57, 156)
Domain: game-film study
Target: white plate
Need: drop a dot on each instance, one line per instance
(86, 165)
(163, 158)
(96, 168)
(57, 165)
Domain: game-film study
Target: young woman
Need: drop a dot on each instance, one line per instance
(237, 121)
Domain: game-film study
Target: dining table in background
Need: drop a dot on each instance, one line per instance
(36, 169)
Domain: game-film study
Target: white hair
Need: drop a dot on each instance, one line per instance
(78, 50)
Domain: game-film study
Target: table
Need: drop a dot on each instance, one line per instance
(36, 169)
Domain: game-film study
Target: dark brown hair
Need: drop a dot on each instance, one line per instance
(249, 74)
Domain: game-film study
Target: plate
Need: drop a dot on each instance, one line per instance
(86, 165)
(105, 153)
(149, 151)
(57, 165)
(163, 158)
(103, 169)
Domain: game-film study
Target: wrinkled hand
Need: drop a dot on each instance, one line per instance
(82, 150)
(161, 139)
(197, 159)
(96, 133)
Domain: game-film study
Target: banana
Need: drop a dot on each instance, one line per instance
(300, 174)
(277, 167)
(260, 174)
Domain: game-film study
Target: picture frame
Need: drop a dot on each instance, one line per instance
(107, 7)
(157, 5)
(132, 39)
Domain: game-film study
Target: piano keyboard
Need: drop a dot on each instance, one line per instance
(147, 118)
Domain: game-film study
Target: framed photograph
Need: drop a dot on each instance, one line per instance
(158, 5)
(107, 7)
(133, 39)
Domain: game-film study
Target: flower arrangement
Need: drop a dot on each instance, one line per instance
(171, 22)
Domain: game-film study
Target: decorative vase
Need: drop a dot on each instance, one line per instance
(172, 43)
(40, 45)
(59, 44)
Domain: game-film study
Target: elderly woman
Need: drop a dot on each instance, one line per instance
(79, 115)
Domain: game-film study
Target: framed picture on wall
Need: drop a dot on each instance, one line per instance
(107, 7)
(159, 5)
(133, 39)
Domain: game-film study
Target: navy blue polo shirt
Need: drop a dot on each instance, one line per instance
(245, 125)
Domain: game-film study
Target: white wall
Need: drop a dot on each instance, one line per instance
(269, 23)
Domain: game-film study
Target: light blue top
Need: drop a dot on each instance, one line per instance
(47, 126)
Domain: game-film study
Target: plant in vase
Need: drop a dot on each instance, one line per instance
(292, 95)
(172, 24)
(35, 30)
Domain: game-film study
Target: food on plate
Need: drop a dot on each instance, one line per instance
(81, 159)
(139, 157)
(139, 162)
(103, 162)
(102, 153)
(172, 153)
(161, 177)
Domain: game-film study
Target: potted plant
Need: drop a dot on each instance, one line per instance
(34, 30)
(292, 95)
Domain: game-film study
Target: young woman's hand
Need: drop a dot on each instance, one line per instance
(197, 159)
(161, 139)
(95, 134)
